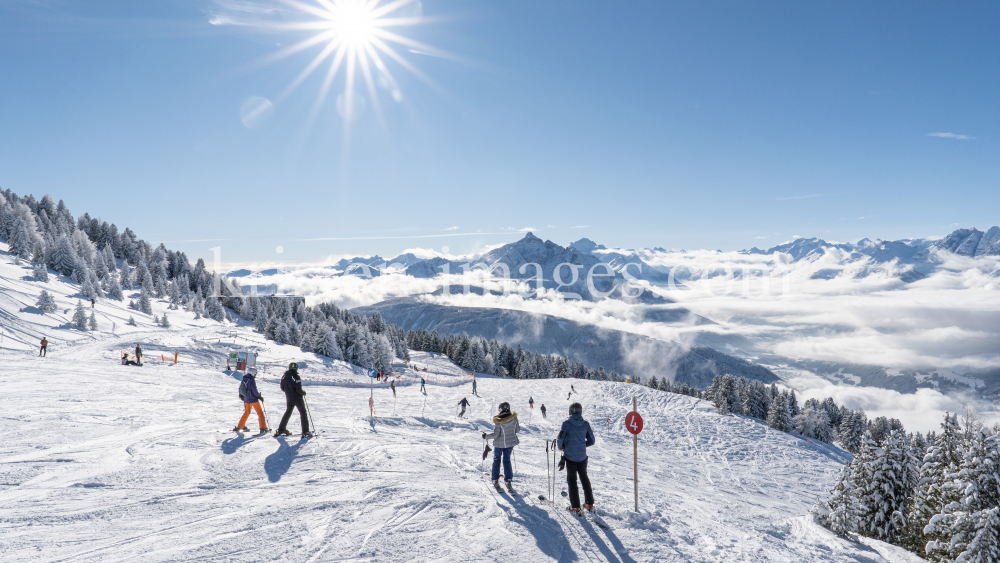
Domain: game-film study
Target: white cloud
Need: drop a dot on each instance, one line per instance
(580, 227)
(455, 228)
(951, 136)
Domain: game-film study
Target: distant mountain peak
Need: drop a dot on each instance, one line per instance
(586, 246)
(529, 236)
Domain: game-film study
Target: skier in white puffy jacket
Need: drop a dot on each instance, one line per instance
(504, 436)
(575, 437)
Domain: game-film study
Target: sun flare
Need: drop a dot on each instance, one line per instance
(353, 36)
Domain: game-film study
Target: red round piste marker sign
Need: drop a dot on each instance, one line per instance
(633, 422)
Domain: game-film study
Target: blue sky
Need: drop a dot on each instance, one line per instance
(676, 124)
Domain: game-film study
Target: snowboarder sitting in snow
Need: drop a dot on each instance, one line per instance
(291, 384)
(575, 437)
(251, 398)
(464, 402)
(504, 436)
(126, 361)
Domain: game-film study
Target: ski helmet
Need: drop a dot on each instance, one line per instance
(252, 371)
(505, 407)
(293, 366)
(576, 408)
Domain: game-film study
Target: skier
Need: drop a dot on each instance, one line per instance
(569, 395)
(126, 361)
(291, 384)
(504, 436)
(392, 386)
(138, 355)
(45, 347)
(251, 398)
(422, 389)
(531, 402)
(474, 386)
(543, 410)
(575, 437)
(464, 402)
(91, 302)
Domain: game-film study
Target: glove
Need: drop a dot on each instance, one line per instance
(303, 393)
(261, 399)
(562, 463)
(484, 435)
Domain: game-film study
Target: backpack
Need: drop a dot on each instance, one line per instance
(243, 389)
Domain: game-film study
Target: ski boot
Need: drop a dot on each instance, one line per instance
(264, 430)
(282, 433)
(239, 429)
(574, 511)
(588, 507)
(496, 485)
(510, 487)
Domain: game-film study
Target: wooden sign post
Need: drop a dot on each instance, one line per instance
(633, 423)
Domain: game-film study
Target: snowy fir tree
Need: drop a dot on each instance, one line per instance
(891, 474)
(934, 489)
(131, 321)
(842, 511)
(213, 310)
(326, 344)
(46, 302)
(143, 304)
(40, 272)
(756, 402)
(143, 277)
(970, 527)
(814, 422)
(125, 278)
(164, 321)
(92, 322)
(19, 243)
(112, 289)
(852, 429)
(80, 316)
(778, 416)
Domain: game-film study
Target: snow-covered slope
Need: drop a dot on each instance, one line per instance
(103, 462)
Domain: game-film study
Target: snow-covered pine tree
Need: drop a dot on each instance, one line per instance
(125, 278)
(46, 302)
(382, 353)
(892, 475)
(143, 277)
(757, 400)
(112, 289)
(305, 343)
(813, 422)
(326, 344)
(842, 511)
(40, 272)
(778, 416)
(971, 526)
(213, 309)
(653, 383)
(131, 321)
(80, 315)
(92, 322)
(852, 430)
(793, 403)
(144, 305)
(935, 489)
(20, 242)
(164, 321)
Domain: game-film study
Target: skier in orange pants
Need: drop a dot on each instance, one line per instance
(251, 398)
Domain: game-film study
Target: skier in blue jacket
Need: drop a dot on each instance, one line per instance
(575, 437)
(251, 398)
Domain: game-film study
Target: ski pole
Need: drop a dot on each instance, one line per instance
(308, 412)
(264, 410)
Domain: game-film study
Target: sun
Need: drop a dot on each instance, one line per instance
(354, 37)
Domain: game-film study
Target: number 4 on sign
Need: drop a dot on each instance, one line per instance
(633, 422)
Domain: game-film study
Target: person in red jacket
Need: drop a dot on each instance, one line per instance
(45, 346)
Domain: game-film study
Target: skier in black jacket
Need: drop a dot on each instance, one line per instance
(291, 384)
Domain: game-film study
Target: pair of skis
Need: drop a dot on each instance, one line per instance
(499, 489)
